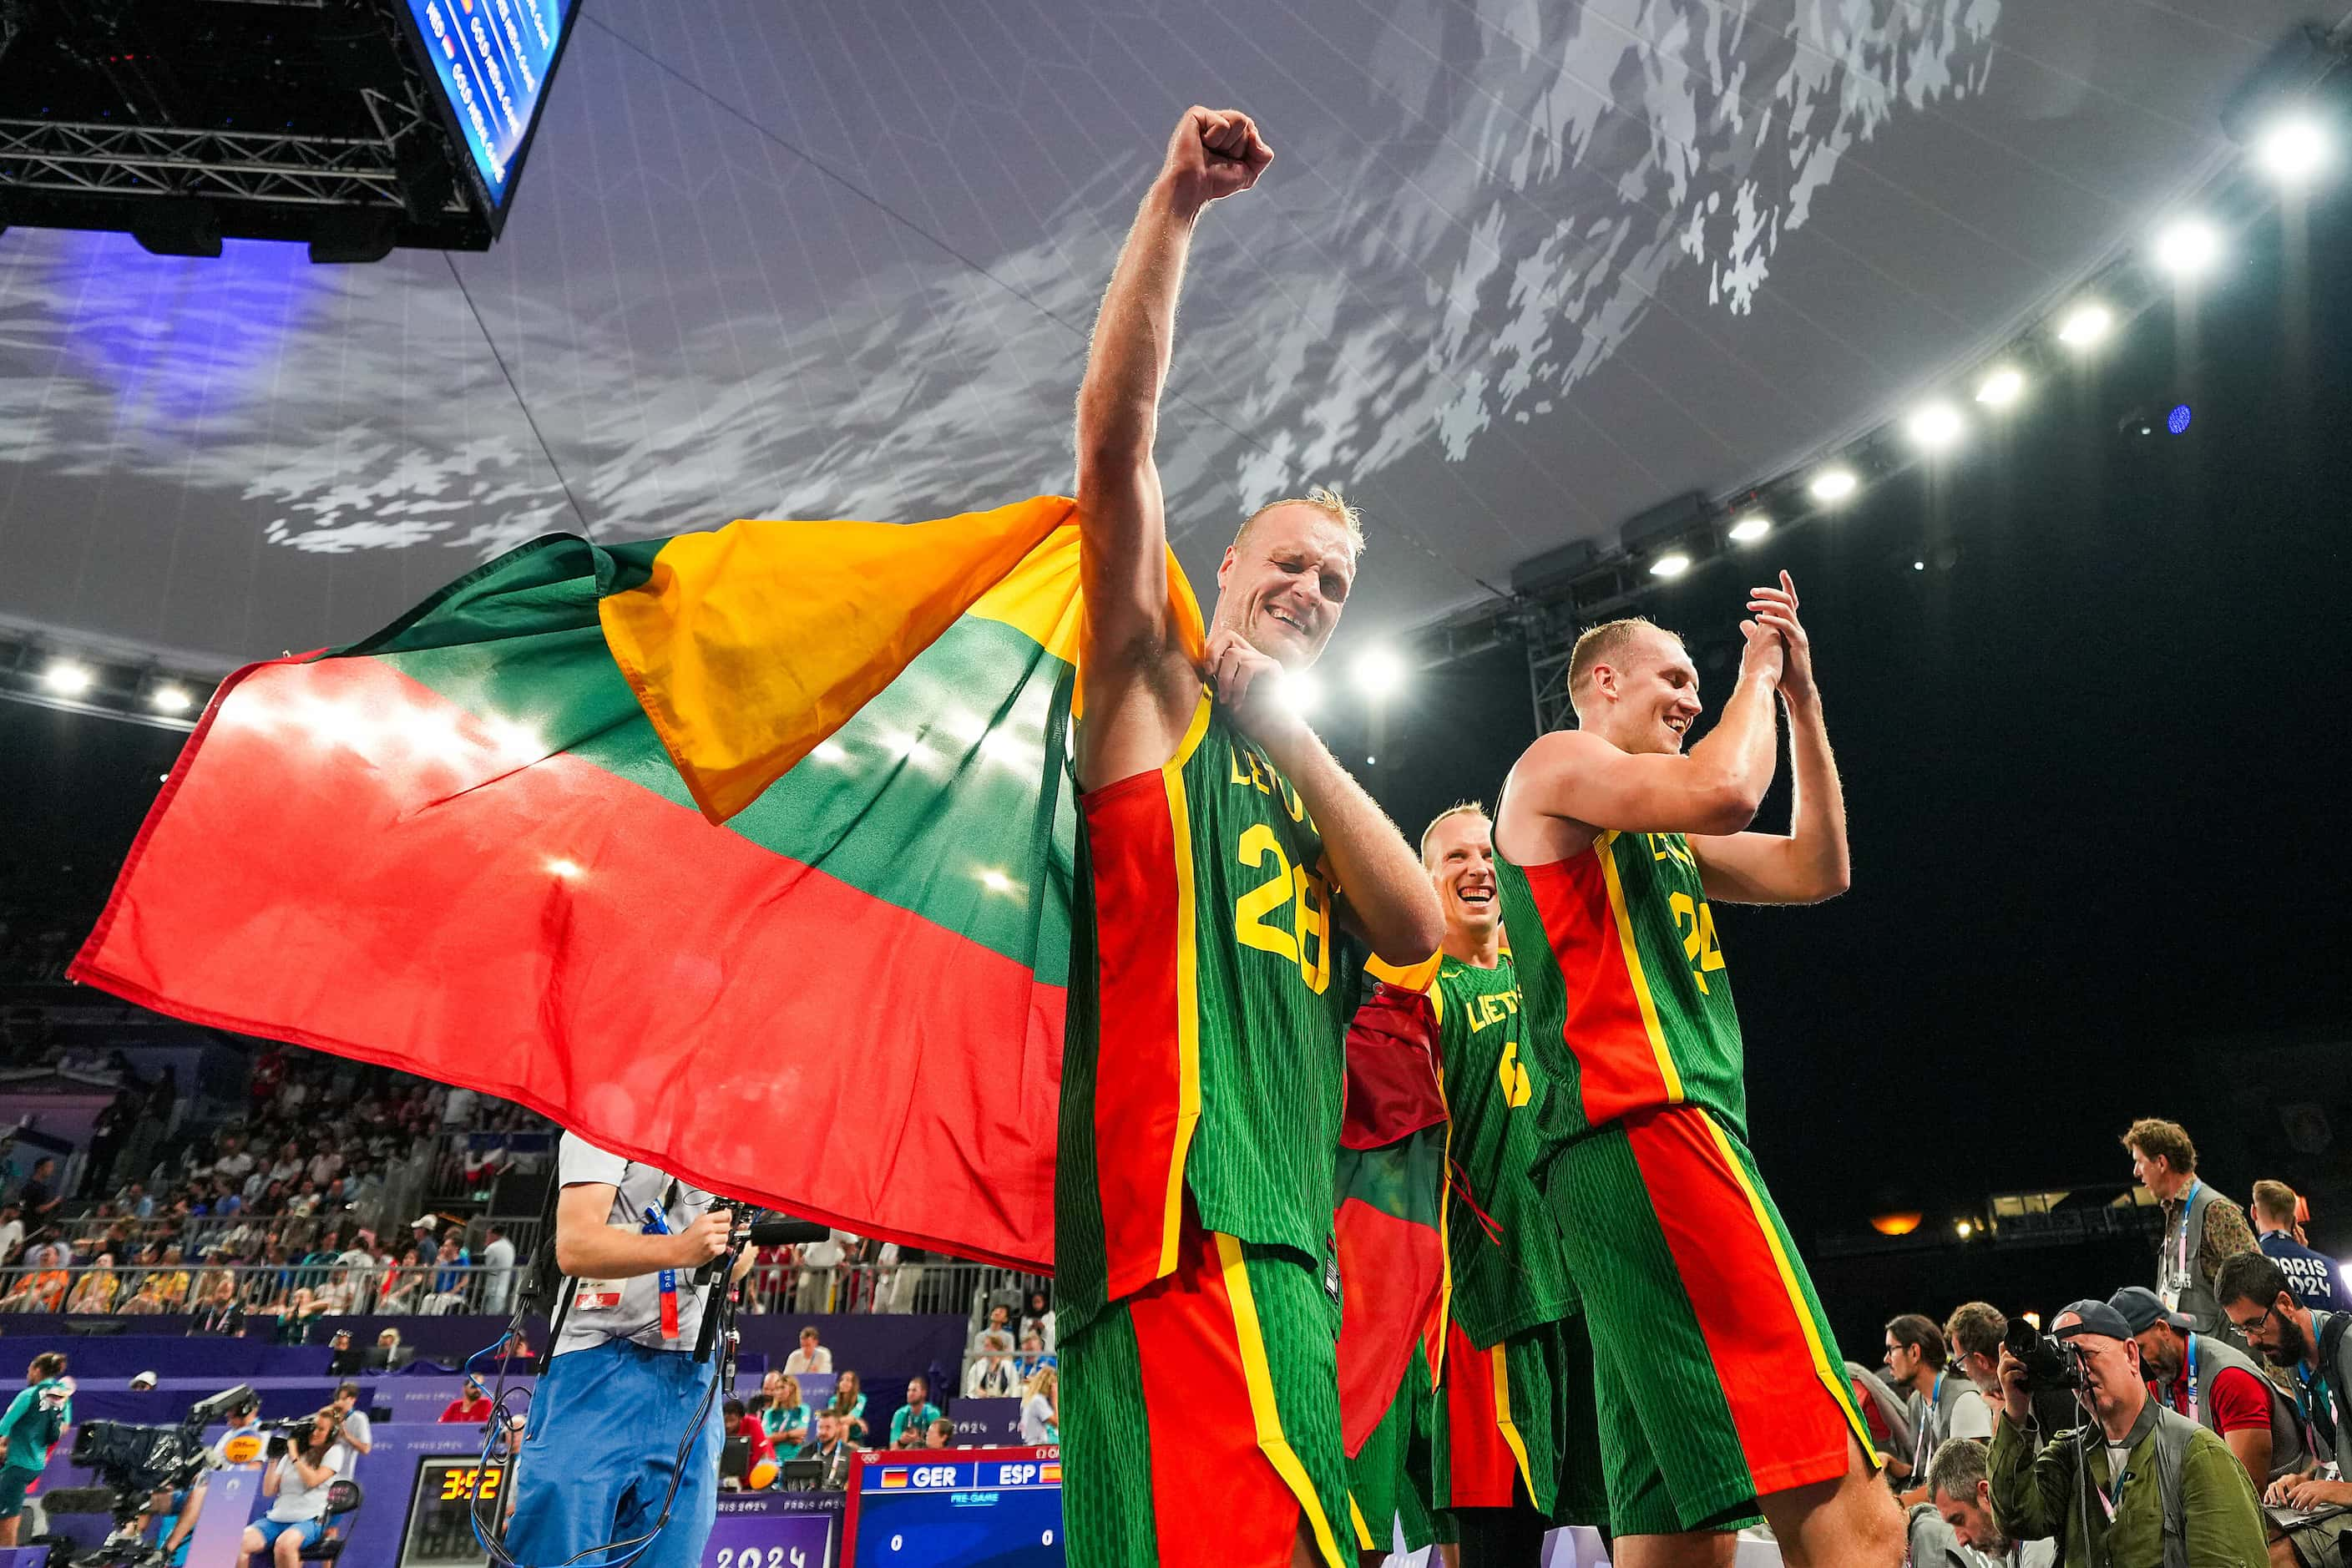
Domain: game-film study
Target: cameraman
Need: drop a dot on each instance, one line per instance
(600, 1450)
(297, 1480)
(179, 1512)
(35, 1419)
(2139, 1485)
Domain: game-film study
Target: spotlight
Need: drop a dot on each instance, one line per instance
(67, 678)
(2086, 325)
(2291, 150)
(1833, 485)
(2002, 387)
(1934, 426)
(2188, 247)
(1964, 1228)
(1300, 691)
(1751, 528)
(170, 698)
(1377, 671)
(1672, 563)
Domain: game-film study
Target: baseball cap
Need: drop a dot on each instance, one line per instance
(2097, 1318)
(144, 1380)
(2143, 1308)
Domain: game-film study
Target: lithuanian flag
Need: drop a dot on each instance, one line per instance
(1390, 1225)
(746, 853)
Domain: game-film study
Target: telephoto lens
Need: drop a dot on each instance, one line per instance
(2049, 1362)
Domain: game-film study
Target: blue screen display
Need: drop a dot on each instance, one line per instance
(986, 1514)
(492, 59)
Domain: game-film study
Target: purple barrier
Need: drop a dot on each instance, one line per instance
(116, 1357)
(164, 1406)
(986, 1422)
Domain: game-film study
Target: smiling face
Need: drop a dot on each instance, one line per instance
(1458, 853)
(1285, 580)
(1640, 694)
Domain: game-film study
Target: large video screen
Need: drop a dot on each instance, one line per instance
(492, 60)
(995, 1507)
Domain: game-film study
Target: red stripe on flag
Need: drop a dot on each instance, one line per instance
(346, 859)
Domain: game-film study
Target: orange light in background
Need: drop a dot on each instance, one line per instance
(1895, 1224)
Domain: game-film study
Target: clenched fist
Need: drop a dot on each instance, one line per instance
(1214, 152)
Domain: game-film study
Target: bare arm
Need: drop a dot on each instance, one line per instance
(1715, 787)
(1389, 900)
(2252, 1447)
(1810, 863)
(1138, 685)
(586, 1247)
(316, 1475)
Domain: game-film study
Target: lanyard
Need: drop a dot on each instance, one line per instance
(2187, 1199)
(656, 1224)
(1922, 1444)
(2192, 1377)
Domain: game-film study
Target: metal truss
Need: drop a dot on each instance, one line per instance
(161, 161)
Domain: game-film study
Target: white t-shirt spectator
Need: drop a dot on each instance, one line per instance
(12, 1237)
(296, 1501)
(630, 1308)
(458, 1109)
(826, 1253)
(800, 1360)
(235, 1167)
(323, 1166)
(355, 1427)
(1037, 1420)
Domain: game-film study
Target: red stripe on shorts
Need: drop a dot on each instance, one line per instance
(1480, 1465)
(1790, 1426)
(1217, 1498)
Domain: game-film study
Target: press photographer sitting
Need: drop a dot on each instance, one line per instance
(609, 1419)
(297, 1481)
(2315, 1348)
(2139, 1485)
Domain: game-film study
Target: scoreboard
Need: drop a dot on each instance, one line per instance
(956, 1508)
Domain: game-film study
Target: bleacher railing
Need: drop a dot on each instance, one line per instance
(296, 1290)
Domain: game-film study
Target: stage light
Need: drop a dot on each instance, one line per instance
(1965, 1229)
(1918, 566)
(1833, 485)
(1900, 1222)
(1377, 671)
(2086, 325)
(2291, 150)
(1934, 426)
(2032, 1318)
(2000, 387)
(1751, 528)
(170, 698)
(67, 678)
(2178, 420)
(1672, 563)
(1299, 691)
(2188, 247)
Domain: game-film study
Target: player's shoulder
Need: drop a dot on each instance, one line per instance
(1568, 751)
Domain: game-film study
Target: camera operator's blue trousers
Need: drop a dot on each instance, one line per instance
(598, 1454)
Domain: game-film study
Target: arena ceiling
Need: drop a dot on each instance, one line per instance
(1522, 268)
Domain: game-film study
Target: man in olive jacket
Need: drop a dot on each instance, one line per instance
(2069, 1487)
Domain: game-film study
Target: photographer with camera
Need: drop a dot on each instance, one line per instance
(297, 1481)
(2216, 1385)
(607, 1458)
(2137, 1486)
(2315, 1349)
(35, 1419)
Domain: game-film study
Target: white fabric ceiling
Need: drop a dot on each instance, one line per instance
(1522, 268)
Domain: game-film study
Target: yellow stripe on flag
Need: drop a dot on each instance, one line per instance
(749, 645)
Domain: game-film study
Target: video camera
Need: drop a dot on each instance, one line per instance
(295, 1431)
(2050, 1364)
(135, 1462)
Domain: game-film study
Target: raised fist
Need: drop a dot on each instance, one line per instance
(1215, 153)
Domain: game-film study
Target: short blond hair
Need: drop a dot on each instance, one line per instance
(1329, 502)
(2276, 1202)
(1606, 644)
(1459, 808)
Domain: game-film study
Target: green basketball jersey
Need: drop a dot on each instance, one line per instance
(1209, 995)
(1509, 1263)
(1623, 982)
